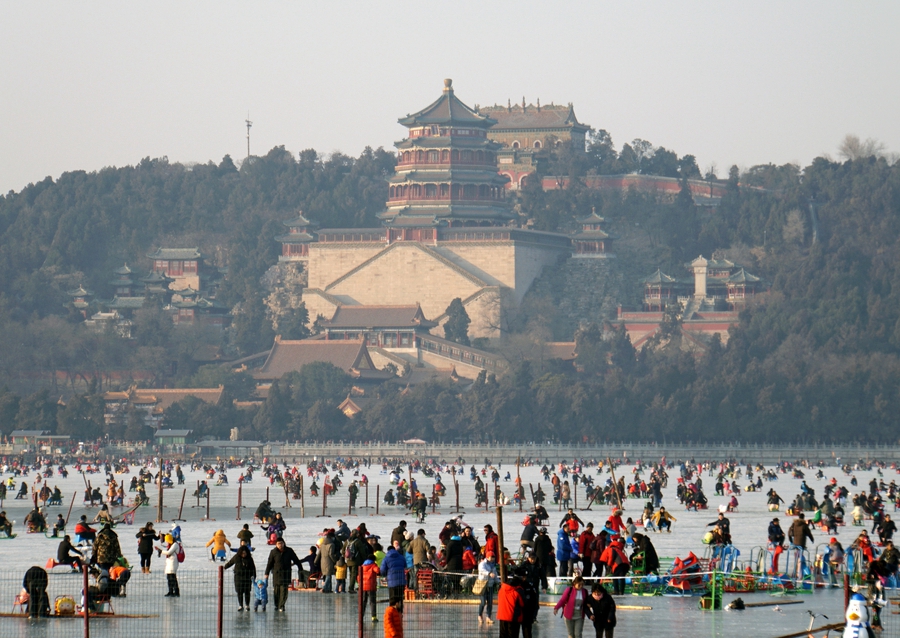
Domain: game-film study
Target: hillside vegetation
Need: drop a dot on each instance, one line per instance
(817, 361)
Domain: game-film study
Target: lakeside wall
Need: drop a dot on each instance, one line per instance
(507, 453)
(475, 453)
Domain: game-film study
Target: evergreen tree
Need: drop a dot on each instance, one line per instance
(456, 327)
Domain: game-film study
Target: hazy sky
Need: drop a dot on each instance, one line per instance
(85, 85)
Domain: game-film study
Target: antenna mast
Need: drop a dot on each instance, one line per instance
(249, 124)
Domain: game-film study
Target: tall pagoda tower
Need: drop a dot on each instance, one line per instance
(446, 232)
(446, 172)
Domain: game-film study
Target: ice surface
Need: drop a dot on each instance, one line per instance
(191, 614)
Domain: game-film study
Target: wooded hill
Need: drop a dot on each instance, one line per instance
(817, 361)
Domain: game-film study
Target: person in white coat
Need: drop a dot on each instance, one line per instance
(171, 551)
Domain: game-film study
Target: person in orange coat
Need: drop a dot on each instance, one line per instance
(393, 621)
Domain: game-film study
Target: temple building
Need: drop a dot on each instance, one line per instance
(295, 245)
(448, 231)
(383, 326)
(188, 306)
(591, 240)
(153, 402)
(290, 356)
(81, 300)
(710, 300)
(123, 283)
(717, 284)
(529, 133)
(183, 265)
(446, 171)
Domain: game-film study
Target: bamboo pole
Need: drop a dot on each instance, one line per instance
(181, 507)
(74, 496)
(809, 632)
(159, 503)
(501, 559)
(615, 484)
(519, 489)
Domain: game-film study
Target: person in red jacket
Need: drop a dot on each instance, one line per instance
(490, 541)
(617, 564)
(614, 523)
(584, 549)
(370, 574)
(510, 608)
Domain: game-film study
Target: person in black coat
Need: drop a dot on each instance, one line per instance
(35, 583)
(280, 561)
(145, 537)
(454, 555)
(64, 554)
(244, 575)
(543, 547)
(643, 545)
(530, 600)
(602, 611)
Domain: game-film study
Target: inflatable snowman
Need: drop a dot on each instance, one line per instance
(857, 616)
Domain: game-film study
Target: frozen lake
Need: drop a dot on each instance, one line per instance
(194, 614)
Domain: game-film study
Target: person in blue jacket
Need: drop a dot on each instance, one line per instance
(564, 553)
(393, 567)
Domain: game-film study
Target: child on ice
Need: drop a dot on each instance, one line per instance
(340, 574)
(261, 594)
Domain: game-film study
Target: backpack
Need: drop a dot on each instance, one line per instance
(180, 554)
(351, 553)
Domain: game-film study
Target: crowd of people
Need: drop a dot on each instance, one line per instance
(460, 561)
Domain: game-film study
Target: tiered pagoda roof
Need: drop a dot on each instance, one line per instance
(742, 277)
(80, 297)
(591, 227)
(447, 110)
(123, 277)
(300, 230)
(659, 277)
(157, 283)
(447, 169)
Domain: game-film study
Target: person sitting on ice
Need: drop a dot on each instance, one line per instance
(721, 530)
(59, 526)
(276, 528)
(265, 512)
(733, 503)
(662, 520)
(218, 542)
(776, 534)
(35, 521)
(66, 554)
(103, 516)
(83, 531)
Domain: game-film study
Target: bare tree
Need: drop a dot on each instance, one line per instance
(794, 228)
(853, 148)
